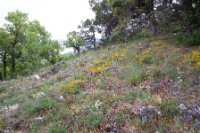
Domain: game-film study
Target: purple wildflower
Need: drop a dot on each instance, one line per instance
(91, 73)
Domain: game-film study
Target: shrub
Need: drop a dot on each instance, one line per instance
(144, 34)
(189, 39)
(196, 58)
(56, 128)
(72, 87)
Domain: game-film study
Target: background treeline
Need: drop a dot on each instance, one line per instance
(25, 46)
(121, 20)
(125, 20)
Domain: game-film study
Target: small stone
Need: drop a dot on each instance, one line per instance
(181, 107)
(197, 121)
(36, 77)
(61, 99)
(187, 115)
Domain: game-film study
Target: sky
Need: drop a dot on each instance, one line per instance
(58, 16)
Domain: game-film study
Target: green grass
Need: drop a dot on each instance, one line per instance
(136, 75)
(56, 128)
(172, 72)
(162, 127)
(101, 83)
(136, 94)
(2, 89)
(169, 109)
(94, 120)
(35, 126)
(35, 106)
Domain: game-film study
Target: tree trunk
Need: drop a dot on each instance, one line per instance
(150, 6)
(94, 39)
(4, 65)
(187, 5)
(95, 47)
(12, 72)
(1, 77)
(78, 50)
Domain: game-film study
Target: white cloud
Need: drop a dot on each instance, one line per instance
(58, 16)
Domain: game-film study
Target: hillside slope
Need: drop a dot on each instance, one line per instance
(147, 86)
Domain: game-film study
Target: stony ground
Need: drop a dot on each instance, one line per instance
(148, 86)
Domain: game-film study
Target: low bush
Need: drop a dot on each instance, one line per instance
(189, 39)
(72, 87)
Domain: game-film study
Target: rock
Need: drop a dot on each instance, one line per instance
(10, 109)
(36, 77)
(187, 115)
(196, 114)
(181, 107)
(147, 113)
(61, 99)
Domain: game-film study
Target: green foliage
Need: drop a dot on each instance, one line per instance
(157, 72)
(71, 87)
(171, 72)
(169, 109)
(136, 94)
(35, 106)
(46, 102)
(2, 89)
(144, 34)
(25, 46)
(56, 128)
(101, 83)
(119, 118)
(189, 39)
(2, 124)
(75, 41)
(162, 127)
(136, 75)
(94, 120)
(34, 127)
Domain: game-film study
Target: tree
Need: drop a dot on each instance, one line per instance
(88, 31)
(104, 17)
(74, 40)
(4, 47)
(38, 49)
(17, 32)
(120, 19)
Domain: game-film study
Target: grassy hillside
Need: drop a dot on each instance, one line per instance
(147, 86)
